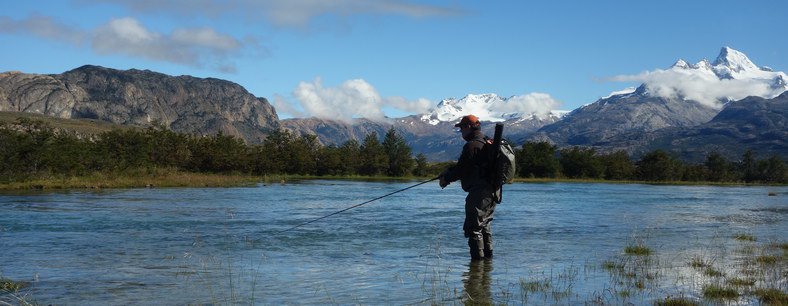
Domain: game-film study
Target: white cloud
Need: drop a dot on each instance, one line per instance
(197, 47)
(286, 13)
(193, 47)
(351, 99)
(43, 26)
(539, 103)
(705, 88)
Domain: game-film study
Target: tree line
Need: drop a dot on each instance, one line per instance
(544, 160)
(31, 149)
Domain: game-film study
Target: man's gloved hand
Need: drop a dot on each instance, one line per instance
(443, 182)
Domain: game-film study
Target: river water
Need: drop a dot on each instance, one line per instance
(555, 243)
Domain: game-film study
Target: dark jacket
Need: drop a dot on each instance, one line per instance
(468, 167)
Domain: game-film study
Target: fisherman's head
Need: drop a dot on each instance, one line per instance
(468, 124)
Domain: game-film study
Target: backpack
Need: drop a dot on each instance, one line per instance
(503, 169)
(498, 167)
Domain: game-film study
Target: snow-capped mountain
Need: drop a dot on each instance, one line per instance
(494, 108)
(682, 96)
(732, 76)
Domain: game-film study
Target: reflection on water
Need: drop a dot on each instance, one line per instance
(476, 282)
(220, 245)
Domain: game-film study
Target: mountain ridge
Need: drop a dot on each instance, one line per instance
(626, 119)
(141, 97)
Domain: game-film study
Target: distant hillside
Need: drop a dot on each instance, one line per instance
(79, 126)
(141, 97)
(752, 123)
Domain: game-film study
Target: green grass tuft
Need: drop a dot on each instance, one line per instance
(668, 301)
(612, 266)
(11, 286)
(767, 259)
(717, 292)
(744, 237)
(711, 272)
(637, 250)
(741, 282)
(534, 286)
(772, 296)
(699, 263)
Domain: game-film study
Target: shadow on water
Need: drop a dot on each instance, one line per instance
(476, 283)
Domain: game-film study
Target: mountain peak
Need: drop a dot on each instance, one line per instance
(735, 60)
(680, 64)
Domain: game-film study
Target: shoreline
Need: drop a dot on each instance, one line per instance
(156, 178)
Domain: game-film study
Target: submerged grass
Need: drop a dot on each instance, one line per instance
(637, 250)
(711, 272)
(772, 296)
(679, 301)
(744, 237)
(8, 285)
(741, 282)
(716, 292)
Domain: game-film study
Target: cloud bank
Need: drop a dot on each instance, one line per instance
(705, 88)
(197, 47)
(352, 99)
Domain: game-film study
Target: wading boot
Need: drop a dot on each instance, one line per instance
(488, 247)
(476, 245)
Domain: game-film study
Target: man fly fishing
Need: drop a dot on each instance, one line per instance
(483, 194)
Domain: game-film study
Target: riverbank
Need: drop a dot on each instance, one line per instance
(138, 179)
(151, 178)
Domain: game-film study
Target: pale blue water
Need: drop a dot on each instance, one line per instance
(219, 245)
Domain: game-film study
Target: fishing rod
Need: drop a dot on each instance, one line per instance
(357, 205)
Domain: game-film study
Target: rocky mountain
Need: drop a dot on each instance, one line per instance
(752, 123)
(141, 97)
(682, 96)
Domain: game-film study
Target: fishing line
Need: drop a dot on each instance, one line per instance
(357, 205)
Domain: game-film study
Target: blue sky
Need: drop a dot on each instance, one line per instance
(390, 57)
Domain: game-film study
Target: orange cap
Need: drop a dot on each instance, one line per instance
(469, 120)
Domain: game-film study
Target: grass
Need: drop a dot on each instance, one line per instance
(680, 301)
(772, 296)
(81, 126)
(142, 178)
(11, 286)
(699, 263)
(782, 246)
(767, 259)
(534, 286)
(741, 282)
(716, 292)
(745, 237)
(637, 250)
(711, 272)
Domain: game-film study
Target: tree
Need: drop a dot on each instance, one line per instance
(373, 157)
(273, 155)
(749, 167)
(400, 161)
(537, 159)
(350, 155)
(773, 170)
(580, 162)
(719, 169)
(658, 165)
(422, 166)
(329, 161)
(618, 166)
(303, 155)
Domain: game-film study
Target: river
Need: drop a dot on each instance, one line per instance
(555, 243)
